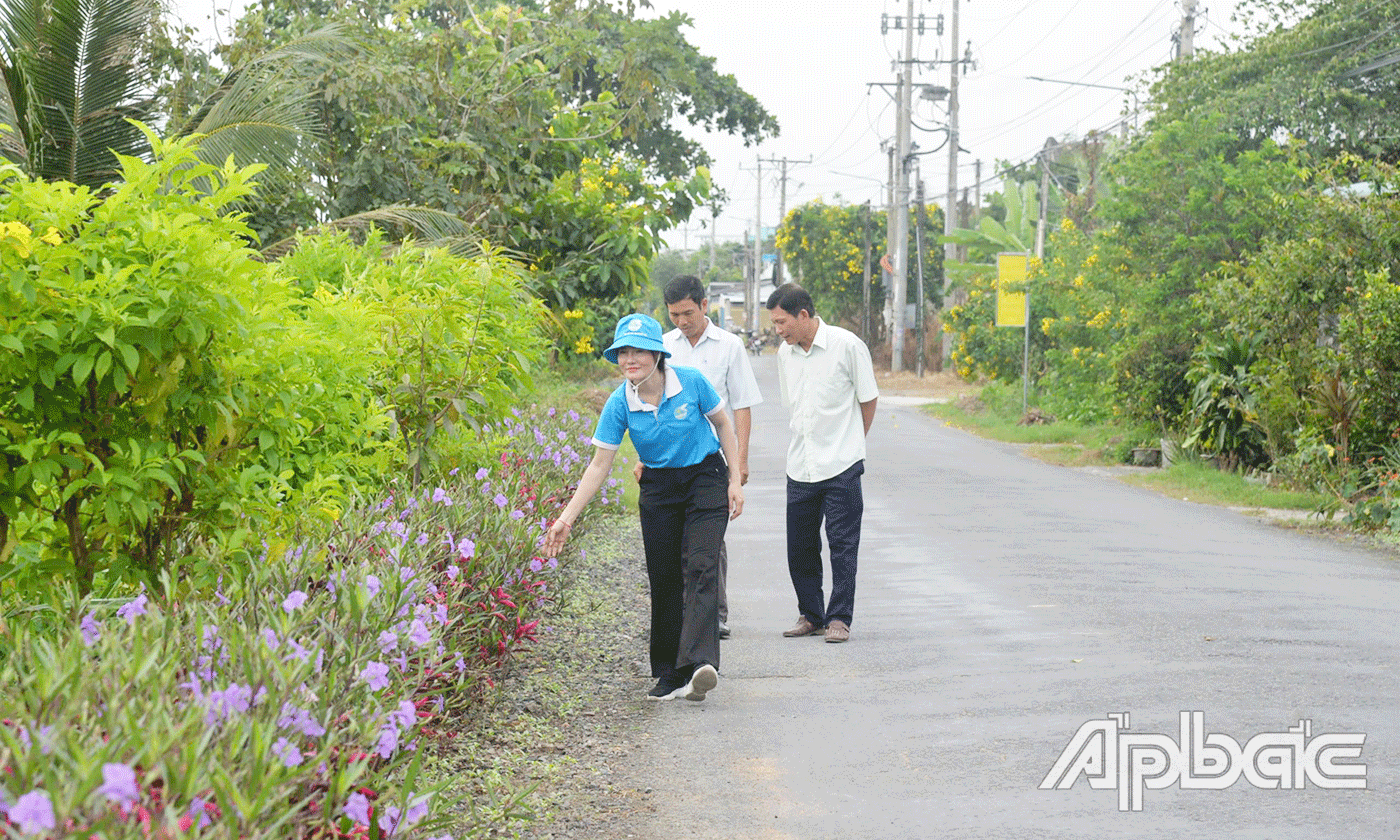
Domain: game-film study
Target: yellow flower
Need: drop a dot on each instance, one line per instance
(584, 345)
(573, 313)
(1079, 282)
(18, 234)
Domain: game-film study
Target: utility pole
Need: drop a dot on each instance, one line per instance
(865, 276)
(782, 211)
(900, 279)
(1186, 37)
(714, 222)
(887, 264)
(751, 296)
(950, 209)
(919, 291)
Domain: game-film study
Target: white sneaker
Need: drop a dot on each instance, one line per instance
(701, 682)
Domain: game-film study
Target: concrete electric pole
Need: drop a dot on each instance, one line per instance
(900, 278)
(751, 295)
(782, 211)
(1186, 37)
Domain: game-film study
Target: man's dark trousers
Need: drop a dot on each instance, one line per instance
(684, 512)
(837, 500)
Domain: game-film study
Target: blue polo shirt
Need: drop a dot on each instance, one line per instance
(673, 434)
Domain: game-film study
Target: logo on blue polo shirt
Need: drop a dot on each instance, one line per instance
(682, 411)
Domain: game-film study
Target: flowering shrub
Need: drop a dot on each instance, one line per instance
(293, 701)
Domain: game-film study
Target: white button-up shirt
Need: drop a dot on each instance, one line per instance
(822, 389)
(720, 355)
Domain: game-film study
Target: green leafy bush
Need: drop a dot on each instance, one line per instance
(118, 326)
(1223, 417)
(442, 339)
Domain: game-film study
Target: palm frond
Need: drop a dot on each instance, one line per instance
(75, 75)
(429, 228)
(263, 110)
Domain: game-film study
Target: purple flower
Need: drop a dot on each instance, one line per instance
(388, 640)
(136, 606)
(300, 720)
(418, 633)
(390, 822)
(388, 741)
(482, 473)
(222, 705)
(407, 573)
(501, 501)
(372, 585)
(453, 570)
(269, 637)
(422, 539)
(375, 675)
(298, 652)
(33, 812)
(89, 629)
(287, 752)
(440, 496)
(293, 601)
(119, 784)
(46, 739)
(535, 564)
(466, 548)
(197, 809)
(440, 613)
(357, 808)
(404, 716)
(554, 561)
(517, 514)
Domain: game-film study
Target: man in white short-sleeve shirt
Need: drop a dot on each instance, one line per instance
(828, 387)
(697, 342)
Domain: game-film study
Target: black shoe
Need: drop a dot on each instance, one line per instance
(666, 687)
(723, 630)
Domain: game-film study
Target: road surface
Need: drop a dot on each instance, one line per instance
(1002, 604)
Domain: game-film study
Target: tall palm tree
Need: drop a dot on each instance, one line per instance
(75, 74)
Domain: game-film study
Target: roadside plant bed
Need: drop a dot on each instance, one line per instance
(298, 699)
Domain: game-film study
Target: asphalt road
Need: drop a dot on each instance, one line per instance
(1001, 604)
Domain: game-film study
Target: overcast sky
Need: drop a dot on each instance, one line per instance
(811, 64)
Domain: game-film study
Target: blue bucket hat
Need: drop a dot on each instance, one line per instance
(641, 331)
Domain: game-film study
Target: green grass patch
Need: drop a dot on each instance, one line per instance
(1199, 482)
(1066, 443)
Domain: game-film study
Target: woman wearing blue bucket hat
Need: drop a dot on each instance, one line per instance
(679, 427)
